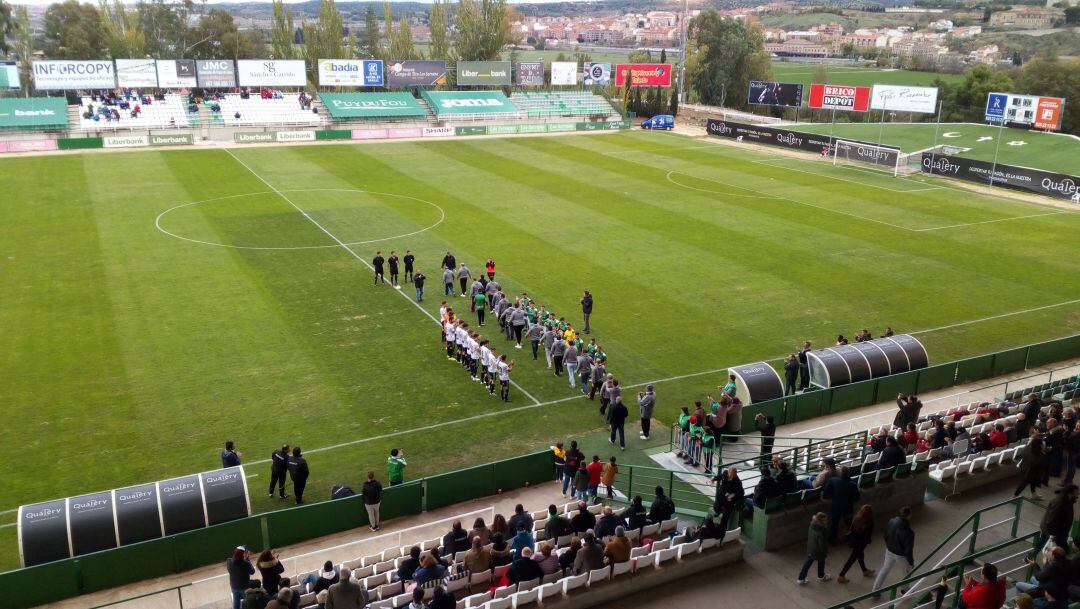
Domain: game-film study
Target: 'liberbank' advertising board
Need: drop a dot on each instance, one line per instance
(494, 73)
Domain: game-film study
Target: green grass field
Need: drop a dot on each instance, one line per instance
(1052, 152)
(855, 76)
(129, 355)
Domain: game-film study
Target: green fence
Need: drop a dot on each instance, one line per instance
(333, 134)
(79, 143)
(177, 553)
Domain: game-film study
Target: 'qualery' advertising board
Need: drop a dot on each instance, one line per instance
(643, 74)
(902, 98)
(176, 73)
(351, 73)
(62, 74)
(493, 73)
(136, 73)
(839, 97)
(769, 93)
(564, 73)
(415, 73)
(216, 73)
(1046, 183)
(530, 73)
(596, 74)
(271, 72)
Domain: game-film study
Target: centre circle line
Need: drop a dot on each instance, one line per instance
(157, 220)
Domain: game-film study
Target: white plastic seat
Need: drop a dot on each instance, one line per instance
(596, 508)
(384, 566)
(669, 525)
(709, 543)
(373, 560)
(620, 568)
(550, 591)
(599, 575)
(526, 597)
(499, 571)
(528, 585)
(732, 535)
(497, 603)
(505, 591)
(479, 579)
(650, 529)
(688, 548)
(457, 584)
(639, 552)
(403, 599)
(663, 556)
(388, 590)
(663, 544)
(477, 599)
(574, 582)
(551, 577)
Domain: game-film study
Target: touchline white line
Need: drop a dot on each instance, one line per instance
(354, 254)
(1052, 213)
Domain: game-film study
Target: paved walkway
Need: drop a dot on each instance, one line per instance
(765, 580)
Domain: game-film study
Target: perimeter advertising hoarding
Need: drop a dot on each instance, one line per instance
(643, 74)
(370, 105)
(137, 515)
(902, 98)
(271, 72)
(530, 73)
(769, 93)
(136, 73)
(470, 102)
(216, 73)
(181, 504)
(415, 73)
(868, 153)
(1028, 111)
(766, 135)
(351, 73)
(176, 73)
(839, 97)
(90, 519)
(494, 73)
(596, 74)
(564, 73)
(63, 74)
(43, 532)
(9, 75)
(1046, 183)
(33, 112)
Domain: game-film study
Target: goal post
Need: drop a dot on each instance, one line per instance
(880, 158)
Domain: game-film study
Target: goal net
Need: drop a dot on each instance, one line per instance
(885, 159)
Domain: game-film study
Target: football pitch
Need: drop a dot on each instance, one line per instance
(156, 304)
(1049, 151)
(859, 76)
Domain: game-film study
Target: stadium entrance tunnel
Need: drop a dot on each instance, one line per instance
(276, 220)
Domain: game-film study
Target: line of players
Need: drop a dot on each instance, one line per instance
(475, 354)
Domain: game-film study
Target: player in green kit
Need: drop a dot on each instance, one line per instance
(480, 301)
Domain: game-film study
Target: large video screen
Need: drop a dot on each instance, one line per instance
(768, 93)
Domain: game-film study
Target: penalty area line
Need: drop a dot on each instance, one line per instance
(352, 252)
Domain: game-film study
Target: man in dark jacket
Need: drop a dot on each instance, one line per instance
(372, 493)
(524, 568)
(605, 527)
(1032, 407)
(583, 520)
(409, 565)
(240, 571)
(791, 374)
(279, 464)
(786, 478)
(1058, 518)
(449, 262)
(899, 546)
(908, 407)
(230, 457)
(298, 471)
(893, 455)
(730, 496)
(520, 519)
(1051, 578)
(804, 366)
(842, 494)
(457, 540)
(662, 508)
(766, 488)
(586, 309)
(418, 283)
(556, 525)
(617, 420)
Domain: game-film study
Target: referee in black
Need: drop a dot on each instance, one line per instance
(408, 260)
(377, 262)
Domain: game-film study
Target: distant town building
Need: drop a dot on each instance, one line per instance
(1027, 17)
(797, 47)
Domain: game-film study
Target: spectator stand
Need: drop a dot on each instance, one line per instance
(132, 111)
(1004, 533)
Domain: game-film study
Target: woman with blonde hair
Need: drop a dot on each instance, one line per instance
(859, 536)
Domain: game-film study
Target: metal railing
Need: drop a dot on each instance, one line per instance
(989, 393)
(800, 452)
(1005, 534)
(157, 602)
